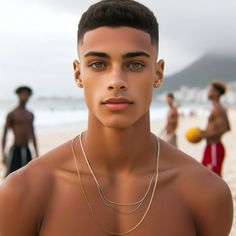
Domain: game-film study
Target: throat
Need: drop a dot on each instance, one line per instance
(116, 156)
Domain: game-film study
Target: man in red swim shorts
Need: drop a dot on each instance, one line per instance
(213, 157)
(218, 124)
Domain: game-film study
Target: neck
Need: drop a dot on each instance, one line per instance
(120, 150)
(22, 105)
(215, 100)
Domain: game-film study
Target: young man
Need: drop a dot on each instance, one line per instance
(117, 177)
(169, 131)
(218, 124)
(20, 121)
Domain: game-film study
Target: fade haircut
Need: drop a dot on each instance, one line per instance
(115, 13)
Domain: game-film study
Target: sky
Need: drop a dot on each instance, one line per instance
(38, 39)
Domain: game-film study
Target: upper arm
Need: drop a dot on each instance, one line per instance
(8, 124)
(215, 212)
(32, 123)
(9, 121)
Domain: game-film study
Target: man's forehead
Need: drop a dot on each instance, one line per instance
(110, 39)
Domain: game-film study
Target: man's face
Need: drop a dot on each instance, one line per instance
(169, 100)
(212, 93)
(24, 96)
(118, 70)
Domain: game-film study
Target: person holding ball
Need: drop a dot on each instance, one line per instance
(218, 125)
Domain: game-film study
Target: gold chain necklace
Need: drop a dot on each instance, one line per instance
(90, 206)
(106, 201)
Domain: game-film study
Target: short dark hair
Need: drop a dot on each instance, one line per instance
(170, 95)
(219, 86)
(117, 13)
(22, 89)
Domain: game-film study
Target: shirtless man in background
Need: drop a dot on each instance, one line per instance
(116, 177)
(218, 125)
(20, 121)
(169, 131)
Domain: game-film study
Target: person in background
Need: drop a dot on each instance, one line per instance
(20, 121)
(218, 125)
(169, 131)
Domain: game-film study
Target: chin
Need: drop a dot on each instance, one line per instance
(121, 122)
(118, 124)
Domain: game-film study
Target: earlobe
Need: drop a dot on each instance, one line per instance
(77, 77)
(159, 74)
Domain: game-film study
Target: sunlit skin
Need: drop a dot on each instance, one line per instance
(218, 122)
(172, 117)
(20, 121)
(118, 70)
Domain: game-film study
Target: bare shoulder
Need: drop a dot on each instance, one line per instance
(24, 194)
(30, 113)
(210, 201)
(205, 194)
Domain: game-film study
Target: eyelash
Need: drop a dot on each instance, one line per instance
(140, 65)
(132, 65)
(94, 63)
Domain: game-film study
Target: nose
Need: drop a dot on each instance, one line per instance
(117, 80)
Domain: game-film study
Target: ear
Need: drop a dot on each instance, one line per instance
(78, 80)
(159, 74)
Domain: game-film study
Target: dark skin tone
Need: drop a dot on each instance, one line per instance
(122, 151)
(218, 122)
(20, 121)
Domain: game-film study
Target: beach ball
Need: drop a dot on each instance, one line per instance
(193, 135)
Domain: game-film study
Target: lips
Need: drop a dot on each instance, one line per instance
(117, 100)
(118, 103)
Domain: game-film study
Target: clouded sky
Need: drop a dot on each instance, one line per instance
(38, 39)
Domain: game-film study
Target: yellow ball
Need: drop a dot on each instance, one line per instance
(193, 135)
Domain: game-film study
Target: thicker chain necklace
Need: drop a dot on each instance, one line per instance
(89, 204)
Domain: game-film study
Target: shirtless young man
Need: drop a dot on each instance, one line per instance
(169, 131)
(57, 194)
(218, 124)
(20, 121)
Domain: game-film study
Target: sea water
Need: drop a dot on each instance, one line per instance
(64, 112)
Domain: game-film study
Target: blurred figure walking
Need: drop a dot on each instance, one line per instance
(169, 131)
(20, 121)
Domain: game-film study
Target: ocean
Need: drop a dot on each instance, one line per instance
(58, 112)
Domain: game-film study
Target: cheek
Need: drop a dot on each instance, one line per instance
(92, 92)
(144, 93)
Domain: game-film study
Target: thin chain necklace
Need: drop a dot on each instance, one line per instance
(90, 206)
(106, 201)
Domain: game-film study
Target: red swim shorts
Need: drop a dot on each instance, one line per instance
(213, 157)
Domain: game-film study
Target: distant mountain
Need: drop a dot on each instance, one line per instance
(199, 74)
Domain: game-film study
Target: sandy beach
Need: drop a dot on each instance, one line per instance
(48, 139)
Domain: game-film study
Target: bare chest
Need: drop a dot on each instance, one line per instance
(69, 213)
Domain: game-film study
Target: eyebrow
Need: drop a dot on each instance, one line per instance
(97, 54)
(135, 54)
(125, 56)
